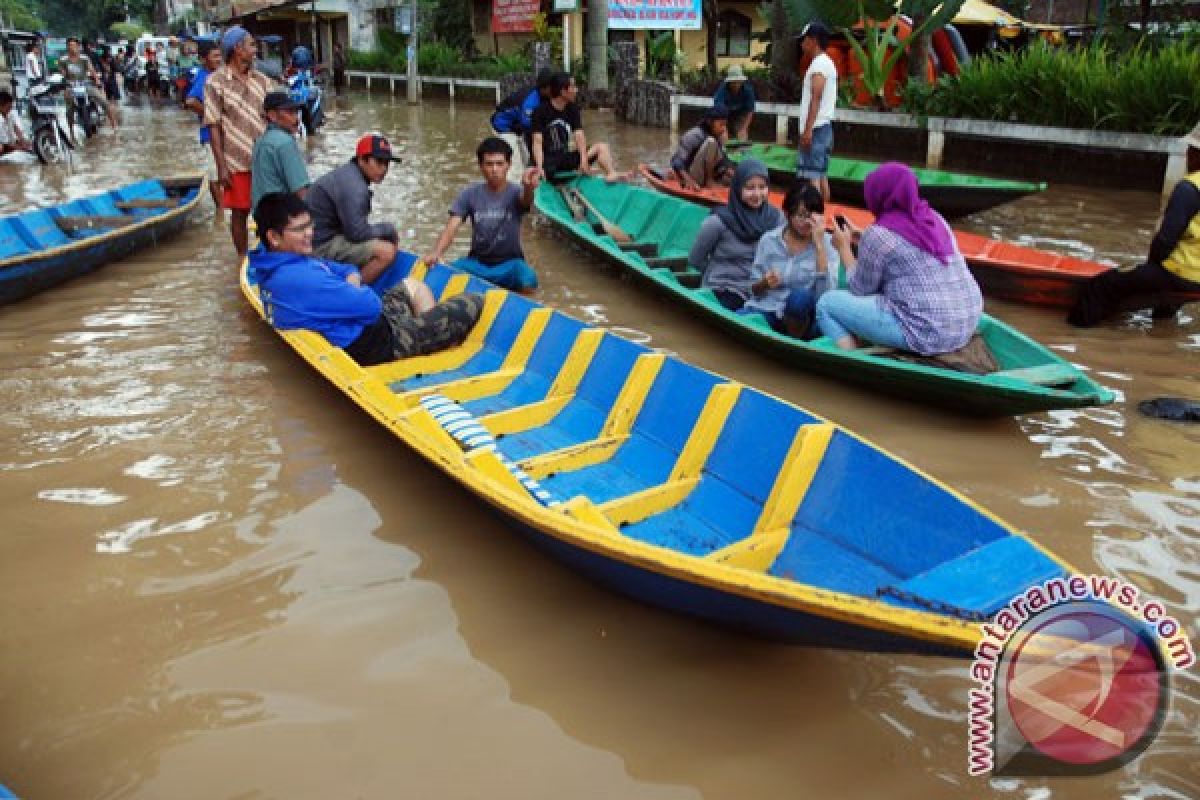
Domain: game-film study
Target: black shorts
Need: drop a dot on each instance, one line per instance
(561, 162)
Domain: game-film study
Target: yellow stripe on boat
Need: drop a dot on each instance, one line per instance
(533, 415)
(613, 433)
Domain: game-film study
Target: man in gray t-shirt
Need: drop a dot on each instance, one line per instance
(495, 208)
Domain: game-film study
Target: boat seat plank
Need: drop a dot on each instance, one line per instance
(673, 263)
(11, 242)
(584, 510)
(498, 351)
(1042, 375)
(93, 223)
(735, 479)
(644, 249)
(539, 394)
(40, 230)
(584, 416)
(670, 438)
(615, 429)
(148, 202)
(973, 582)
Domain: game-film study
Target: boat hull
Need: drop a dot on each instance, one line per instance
(1004, 270)
(799, 493)
(957, 391)
(951, 193)
(27, 274)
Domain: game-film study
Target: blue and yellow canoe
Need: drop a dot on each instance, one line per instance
(685, 489)
(46, 246)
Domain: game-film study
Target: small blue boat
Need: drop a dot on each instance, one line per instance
(44, 247)
(685, 489)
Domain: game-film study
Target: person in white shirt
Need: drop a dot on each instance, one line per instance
(12, 136)
(33, 62)
(817, 102)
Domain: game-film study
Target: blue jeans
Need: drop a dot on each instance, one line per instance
(813, 163)
(842, 313)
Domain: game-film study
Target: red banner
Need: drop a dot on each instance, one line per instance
(514, 16)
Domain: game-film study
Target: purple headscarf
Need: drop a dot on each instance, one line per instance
(891, 193)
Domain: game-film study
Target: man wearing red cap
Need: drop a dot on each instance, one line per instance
(340, 202)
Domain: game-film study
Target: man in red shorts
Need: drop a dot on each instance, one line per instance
(233, 112)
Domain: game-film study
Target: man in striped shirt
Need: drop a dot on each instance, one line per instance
(233, 113)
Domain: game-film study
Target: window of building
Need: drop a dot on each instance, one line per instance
(733, 34)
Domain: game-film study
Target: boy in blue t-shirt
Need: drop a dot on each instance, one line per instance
(210, 61)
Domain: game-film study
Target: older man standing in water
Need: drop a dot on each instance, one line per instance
(233, 113)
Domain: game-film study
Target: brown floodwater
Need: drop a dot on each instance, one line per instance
(219, 579)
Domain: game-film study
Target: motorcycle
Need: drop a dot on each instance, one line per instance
(87, 113)
(49, 116)
(304, 89)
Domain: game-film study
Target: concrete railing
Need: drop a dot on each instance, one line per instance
(936, 129)
(393, 78)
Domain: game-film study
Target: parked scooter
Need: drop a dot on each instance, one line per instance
(49, 115)
(87, 113)
(304, 89)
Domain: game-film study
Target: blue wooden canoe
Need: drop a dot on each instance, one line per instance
(46, 246)
(685, 489)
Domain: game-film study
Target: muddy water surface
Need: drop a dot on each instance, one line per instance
(219, 579)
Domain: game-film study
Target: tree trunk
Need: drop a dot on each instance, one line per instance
(783, 43)
(918, 54)
(597, 44)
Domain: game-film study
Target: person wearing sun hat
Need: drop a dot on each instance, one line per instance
(233, 113)
(736, 95)
(340, 202)
(1172, 266)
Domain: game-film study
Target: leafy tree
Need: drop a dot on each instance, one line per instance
(21, 14)
(92, 17)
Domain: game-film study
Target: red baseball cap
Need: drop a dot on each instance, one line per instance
(375, 146)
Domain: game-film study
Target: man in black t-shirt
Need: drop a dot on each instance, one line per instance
(556, 124)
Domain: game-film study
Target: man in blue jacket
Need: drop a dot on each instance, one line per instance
(301, 291)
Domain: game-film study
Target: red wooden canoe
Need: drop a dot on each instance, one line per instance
(1004, 270)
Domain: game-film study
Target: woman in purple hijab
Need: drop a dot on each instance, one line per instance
(909, 286)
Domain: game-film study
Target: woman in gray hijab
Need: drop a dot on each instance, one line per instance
(724, 248)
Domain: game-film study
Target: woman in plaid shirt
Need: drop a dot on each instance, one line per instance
(909, 286)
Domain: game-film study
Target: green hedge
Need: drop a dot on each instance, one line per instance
(1144, 90)
(440, 60)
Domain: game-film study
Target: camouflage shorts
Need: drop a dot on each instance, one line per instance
(442, 326)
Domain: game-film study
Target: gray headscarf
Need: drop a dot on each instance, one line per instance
(748, 224)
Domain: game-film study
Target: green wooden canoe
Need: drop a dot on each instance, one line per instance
(952, 193)
(1031, 378)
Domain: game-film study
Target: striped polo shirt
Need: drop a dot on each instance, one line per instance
(235, 103)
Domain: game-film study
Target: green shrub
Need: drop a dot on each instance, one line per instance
(1144, 90)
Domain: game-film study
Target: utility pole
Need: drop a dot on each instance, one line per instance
(413, 94)
(597, 44)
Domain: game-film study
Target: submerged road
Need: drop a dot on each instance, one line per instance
(219, 579)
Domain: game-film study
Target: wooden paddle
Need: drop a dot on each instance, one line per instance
(618, 235)
(577, 210)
